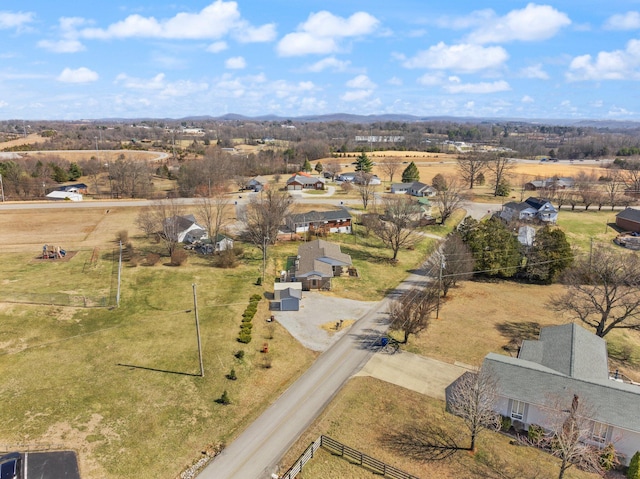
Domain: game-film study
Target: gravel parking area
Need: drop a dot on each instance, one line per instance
(318, 309)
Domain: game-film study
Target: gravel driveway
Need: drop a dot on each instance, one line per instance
(318, 309)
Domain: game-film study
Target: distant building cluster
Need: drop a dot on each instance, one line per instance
(379, 139)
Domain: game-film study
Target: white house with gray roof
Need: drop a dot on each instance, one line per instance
(568, 360)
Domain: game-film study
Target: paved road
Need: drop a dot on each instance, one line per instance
(257, 450)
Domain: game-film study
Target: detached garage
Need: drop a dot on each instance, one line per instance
(286, 297)
(629, 220)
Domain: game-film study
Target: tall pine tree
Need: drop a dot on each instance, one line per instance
(363, 163)
(410, 173)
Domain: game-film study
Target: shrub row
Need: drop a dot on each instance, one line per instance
(247, 316)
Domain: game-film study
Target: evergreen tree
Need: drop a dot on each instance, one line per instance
(74, 172)
(363, 163)
(306, 167)
(438, 182)
(634, 467)
(549, 255)
(495, 249)
(319, 167)
(59, 174)
(410, 173)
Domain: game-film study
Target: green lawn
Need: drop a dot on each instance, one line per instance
(120, 386)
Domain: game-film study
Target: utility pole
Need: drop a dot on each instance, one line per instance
(264, 255)
(195, 309)
(1, 188)
(440, 257)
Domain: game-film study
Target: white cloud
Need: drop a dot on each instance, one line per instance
(217, 47)
(248, 34)
(235, 63)
(431, 79)
(356, 95)
(623, 21)
(79, 75)
(617, 111)
(361, 82)
(329, 63)
(456, 86)
(321, 32)
(534, 71)
(160, 86)
(213, 21)
(15, 20)
(395, 81)
(155, 83)
(61, 46)
(532, 23)
(3, 104)
(463, 58)
(614, 65)
(527, 99)
(69, 42)
(183, 88)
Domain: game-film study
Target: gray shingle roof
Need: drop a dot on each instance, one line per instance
(311, 216)
(317, 257)
(630, 214)
(567, 360)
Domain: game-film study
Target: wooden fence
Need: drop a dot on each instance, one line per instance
(350, 454)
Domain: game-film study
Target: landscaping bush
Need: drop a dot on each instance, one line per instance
(226, 259)
(634, 467)
(608, 458)
(505, 423)
(535, 433)
(179, 257)
(259, 281)
(246, 327)
(244, 337)
(152, 259)
(224, 399)
(232, 375)
(239, 354)
(255, 298)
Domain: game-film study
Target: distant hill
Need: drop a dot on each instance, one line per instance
(351, 118)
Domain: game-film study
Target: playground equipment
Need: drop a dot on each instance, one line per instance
(53, 252)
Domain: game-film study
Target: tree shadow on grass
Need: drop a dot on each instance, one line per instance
(516, 332)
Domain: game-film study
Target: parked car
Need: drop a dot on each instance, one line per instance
(10, 466)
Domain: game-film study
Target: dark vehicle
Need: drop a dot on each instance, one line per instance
(10, 465)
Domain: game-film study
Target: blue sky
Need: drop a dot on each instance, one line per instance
(70, 60)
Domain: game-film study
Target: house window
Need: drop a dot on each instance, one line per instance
(517, 410)
(599, 432)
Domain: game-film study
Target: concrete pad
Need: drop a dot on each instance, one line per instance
(417, 373)
(317, 309)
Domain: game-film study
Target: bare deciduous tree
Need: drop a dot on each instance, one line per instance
(500, 166)
(410, 314)
(212, 210)
(366, 188)
(448, 198)
(473, 398)
(395, 229)
(614, 187)
(389, 165)
(264, 215)
(565, 434)
(147, 222)
(166, 214)
(332, 168)
(603, 291)
(470, 166)
(455, 260)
